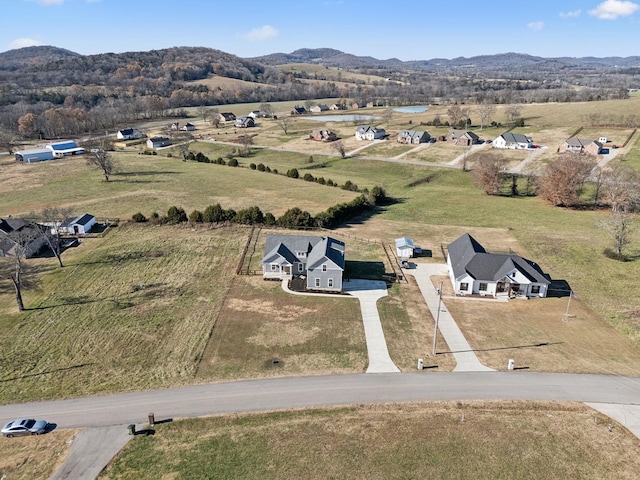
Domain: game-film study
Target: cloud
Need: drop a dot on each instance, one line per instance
(575, 13)
(24, 42)
(262, 33)
(612, 9)
(535, 26)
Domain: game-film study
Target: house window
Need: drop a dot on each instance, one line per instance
(535, 289)
(300, 267)
(301, 254)
(317, 282)
(483, 287)
(324, 267)
(330, 282)
(464, 287)
(274, 267)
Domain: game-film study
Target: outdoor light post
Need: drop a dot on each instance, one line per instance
(435, 331)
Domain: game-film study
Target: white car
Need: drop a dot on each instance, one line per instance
(24, 426)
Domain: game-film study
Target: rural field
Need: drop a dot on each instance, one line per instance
(147, 306)
(515, 440)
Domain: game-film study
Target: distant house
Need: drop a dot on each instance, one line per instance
(319, 108)
(581, 145)
(299, 111)
(78, 225)
(366, 132)
(188, 127)
(32, 155)
(320, 260)
(323, 136)
(357, 105)
(413, 137)
(462, 138)
(226, 117)
(244, 122)
(11, 228)
(475, 271)
(174, 126)
(375, 103)
(513, 141)
(338, 106)
(64, 148)
(157, 142)
(258, 114)
(129, 134)
(405, 247)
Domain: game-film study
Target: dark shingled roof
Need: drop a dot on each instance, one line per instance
(469, 257)
(328, 248)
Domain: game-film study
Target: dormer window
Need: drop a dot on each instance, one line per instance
(324, 267)
(301, 254)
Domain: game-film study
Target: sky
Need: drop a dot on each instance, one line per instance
(408, 30)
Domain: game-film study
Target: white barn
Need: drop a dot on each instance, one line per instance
(79, 225)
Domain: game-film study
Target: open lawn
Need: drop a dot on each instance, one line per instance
(471, 440)
(28, 458)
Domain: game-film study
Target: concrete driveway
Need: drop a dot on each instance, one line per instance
(466, 359)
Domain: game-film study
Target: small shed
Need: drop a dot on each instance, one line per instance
(405, 247)
(78, 226)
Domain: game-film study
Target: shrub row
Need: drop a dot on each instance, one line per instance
(293, 218)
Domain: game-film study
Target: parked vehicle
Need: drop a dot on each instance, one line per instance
(24, 426)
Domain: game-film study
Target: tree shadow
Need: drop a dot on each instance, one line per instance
(47, 372)
(65, 301)
(513, 347)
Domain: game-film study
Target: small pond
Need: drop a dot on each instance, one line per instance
(342, 118)
(416, 109)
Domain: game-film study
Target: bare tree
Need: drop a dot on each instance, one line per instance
(182, 140)
(48, 223)
(246, 141)
(621, 188)
(14, 266)
(486, 111)
(266, 109)
(562, 181)
(100, 156)
(6, 141)
(284, 123)
(455, 114)
(619, 226)
(513, 112)
(340, 148)
(488, 173)
(204, 112)
(387, 115)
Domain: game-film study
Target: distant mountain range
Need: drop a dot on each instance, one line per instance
(41, 55)
(336, 58)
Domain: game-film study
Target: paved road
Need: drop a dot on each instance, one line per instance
(315, 391)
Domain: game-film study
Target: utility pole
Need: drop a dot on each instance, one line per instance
(566, 315)
(435, 331)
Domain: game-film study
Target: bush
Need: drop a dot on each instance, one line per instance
(233, 162)
(196, 216)
(252, 166)
(261, 167)
(169, 155)
(176, 215)
(138, 217)
(308, 177)
(293, 173)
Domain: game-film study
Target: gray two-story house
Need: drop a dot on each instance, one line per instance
(320, 260)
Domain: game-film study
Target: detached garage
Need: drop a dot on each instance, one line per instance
(34, 155)
(78, 226)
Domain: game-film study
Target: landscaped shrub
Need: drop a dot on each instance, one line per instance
(196, 216)
(138, 217)
(176, 215)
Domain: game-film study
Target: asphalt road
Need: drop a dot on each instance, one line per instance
(316, 391)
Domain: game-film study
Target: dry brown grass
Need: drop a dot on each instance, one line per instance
(28, 458)
(479, 440)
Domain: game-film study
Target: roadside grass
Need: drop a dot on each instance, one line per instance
(388, 149)
(26, 458)
(631, 157)
(480, 440)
